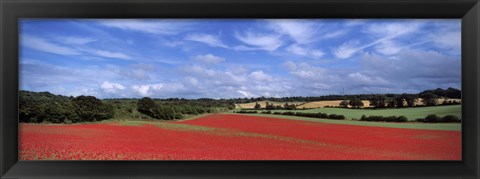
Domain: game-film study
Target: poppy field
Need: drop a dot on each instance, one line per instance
(234, 137)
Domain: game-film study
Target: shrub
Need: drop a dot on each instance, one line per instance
(247, 111)
(335, 116)
(420, 120)
(290, 113)
(266, 112)
(277, 113)
(432, 118)
(384, 119)
(389, 118)
(363, 118)
(401, 119)
(306, 114)
(322, 115)
(451, 118)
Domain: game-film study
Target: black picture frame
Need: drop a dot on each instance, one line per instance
(467, 10)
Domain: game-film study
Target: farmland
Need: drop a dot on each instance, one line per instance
(410, 113)
(234, 137)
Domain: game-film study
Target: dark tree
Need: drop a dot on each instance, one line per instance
(399, 101)
(257, 106)
(429, 99)
(390, 102)
(344, 104)
(146, 106)
(356, 103)
(454, 93)
(378, 101)
(89, 108)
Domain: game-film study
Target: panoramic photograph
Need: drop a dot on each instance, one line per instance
(240, 89)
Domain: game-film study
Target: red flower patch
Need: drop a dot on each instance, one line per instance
(235, 137)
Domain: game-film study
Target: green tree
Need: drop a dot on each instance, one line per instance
(356, 103)
(429, 99)
(86, 107)
(378, 101)
(146, 106)
(257, 106)
(344, 104)
(399, 101)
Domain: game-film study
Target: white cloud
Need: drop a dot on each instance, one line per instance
(74, 40)
(388, 47)
(289, 65)
(259, 41)
(199, 70)
(346, 50)
(367, 80)
(148, 89)
(111, 87)
(394, 29)
(302, 51)
(296, 49)
(209, 59)
(448, 40)
(161, 27)
(41, 44)
(260, 76)
(307, 71)
(109, 54)
(301, 31)
(245, 93)
(210, 40)
(384, 33)
(192, 81)
(335, 34)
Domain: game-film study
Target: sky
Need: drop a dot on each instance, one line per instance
(237, 58)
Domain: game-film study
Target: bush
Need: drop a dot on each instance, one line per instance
(247, 111)
(420, 120)
(322, 115)
(266, 112)
(451, 118)
(401, 119)
(384, 119)
(432, 118)
(290, 113)
(306, 114)
(336, 116)
(277, 113)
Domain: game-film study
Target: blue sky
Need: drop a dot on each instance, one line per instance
(226, 58)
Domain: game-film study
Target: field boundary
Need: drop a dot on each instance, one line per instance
(405, 125)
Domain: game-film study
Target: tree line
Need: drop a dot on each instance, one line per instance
(37, 107)
(429, 94)
(46, 107)
(177, 109)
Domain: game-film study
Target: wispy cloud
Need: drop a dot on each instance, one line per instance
(162, 27)
(210, 40)
(303, 51)
(109, 54)
(259, 41)
(74, 40)
(209, 58)
(44, 45)
(112, 87)
(301, 31)
(384, 33)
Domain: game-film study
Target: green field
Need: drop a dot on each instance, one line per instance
(408, 125)
(411, 113)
